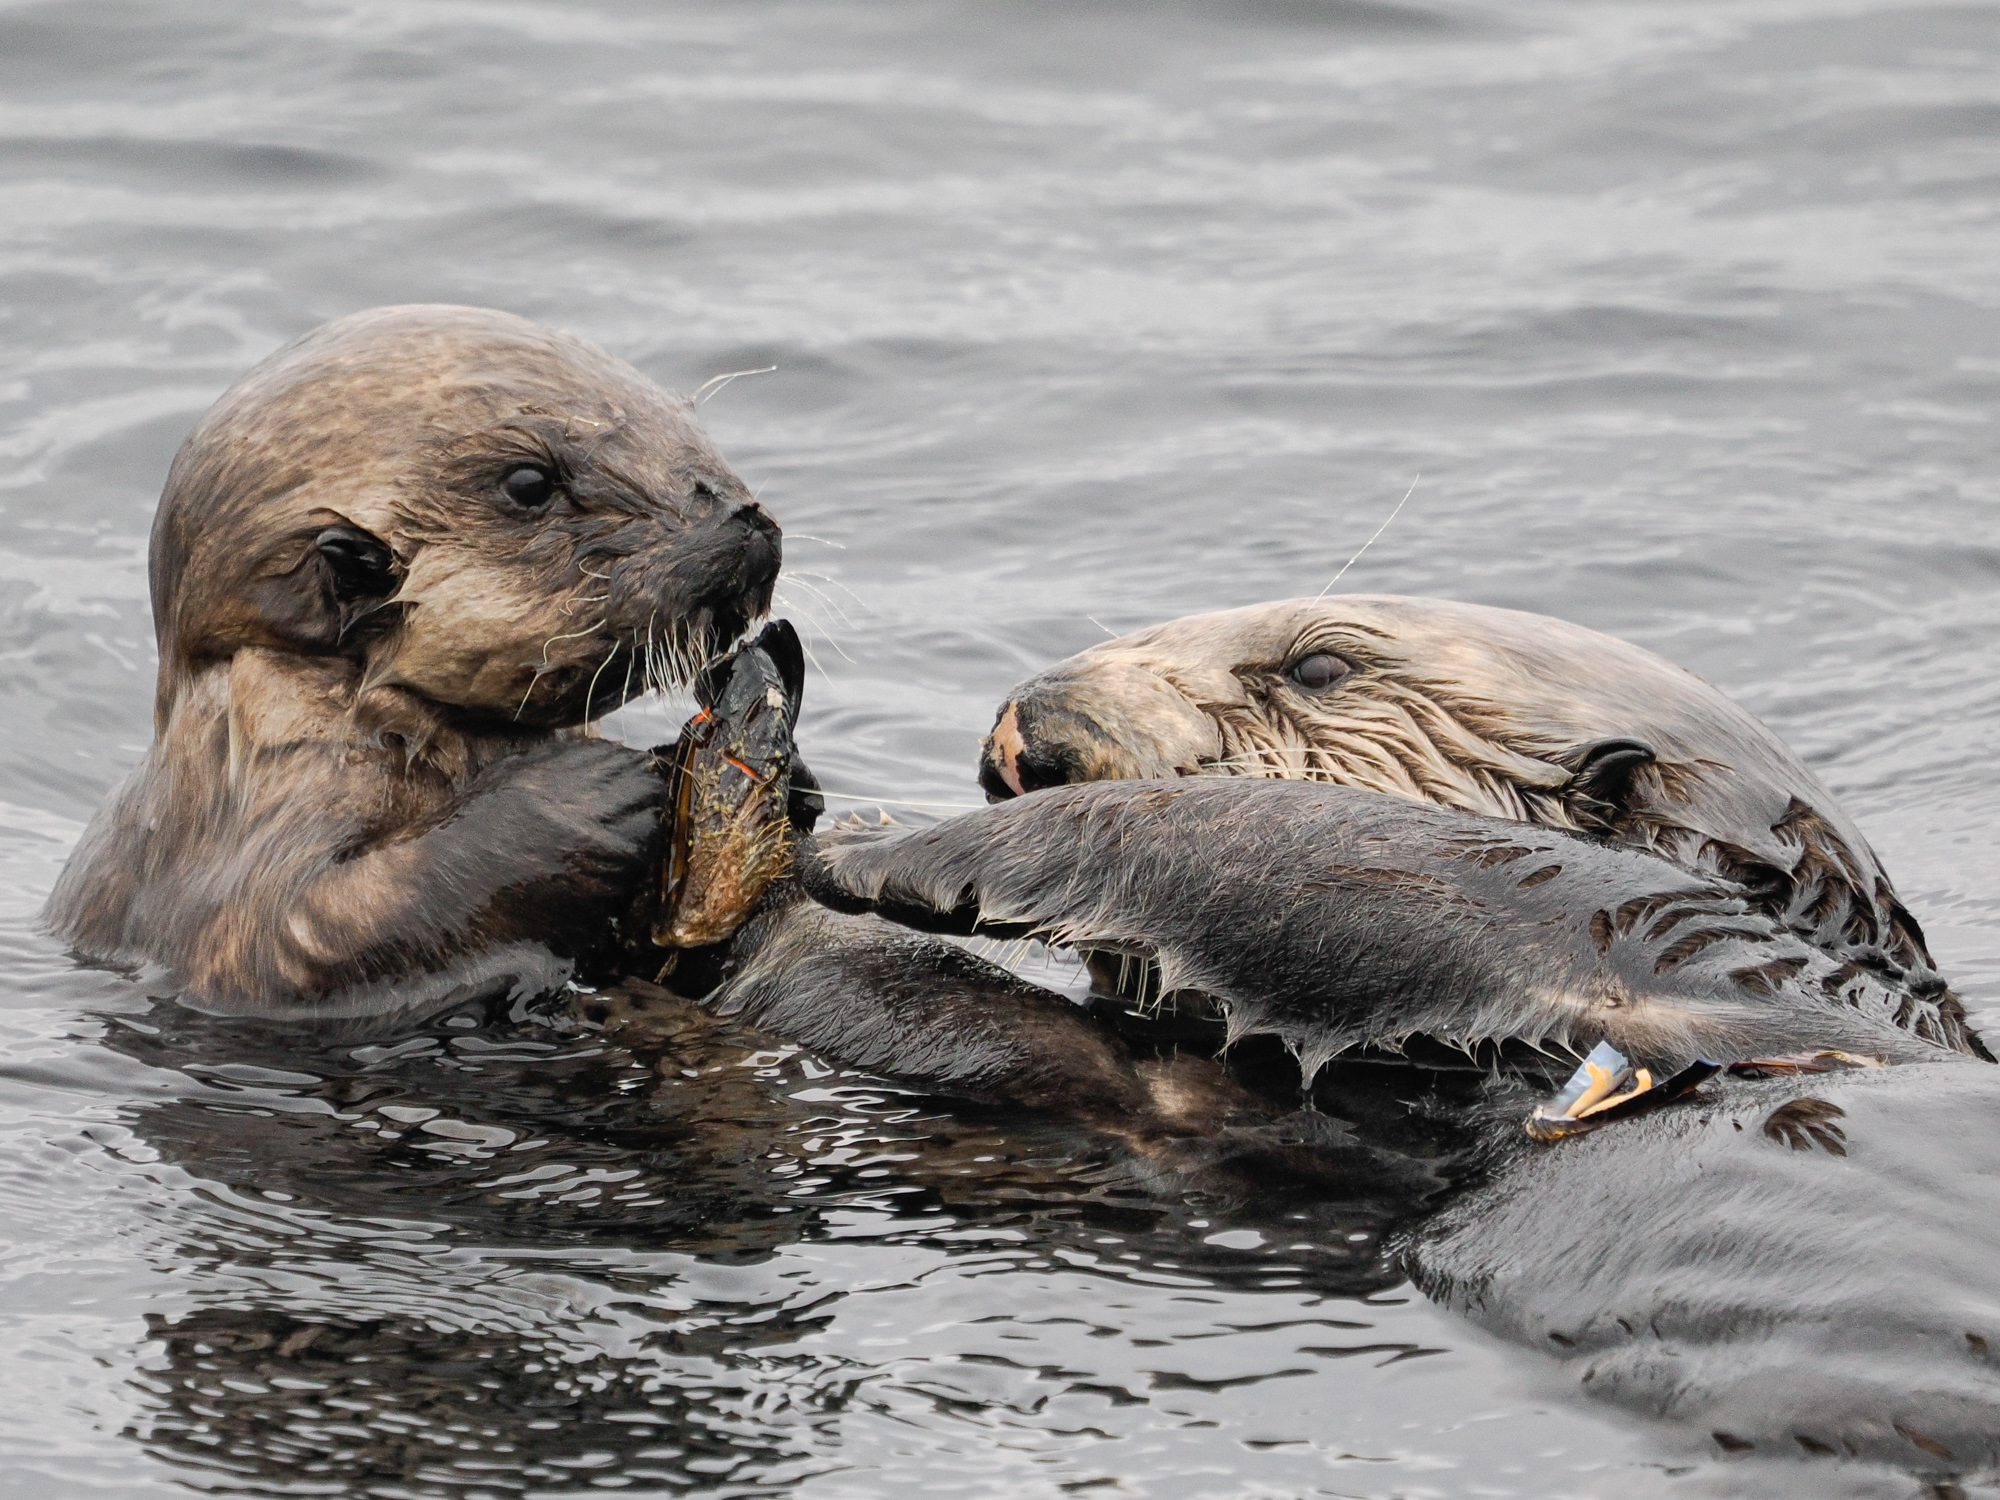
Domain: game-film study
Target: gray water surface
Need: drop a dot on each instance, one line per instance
(1084, 316)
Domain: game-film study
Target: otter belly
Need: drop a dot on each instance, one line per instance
(1788, 1267)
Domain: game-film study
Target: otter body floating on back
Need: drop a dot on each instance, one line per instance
(1691, 890)
(1488, 711)
(1791, 1268)
(391, 566)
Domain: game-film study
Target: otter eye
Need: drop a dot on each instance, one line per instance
(1318, 672)
(528, 486)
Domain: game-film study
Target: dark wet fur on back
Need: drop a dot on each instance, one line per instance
(1790, 1274)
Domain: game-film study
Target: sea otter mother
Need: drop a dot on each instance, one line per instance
(395, 567)
(1786, 1267)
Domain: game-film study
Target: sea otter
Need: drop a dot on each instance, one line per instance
(1341, 859)
(397, 570)
(1789, 1266)
(1489, 711)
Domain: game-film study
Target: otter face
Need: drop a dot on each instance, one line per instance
(1366, 692)
(498, 518)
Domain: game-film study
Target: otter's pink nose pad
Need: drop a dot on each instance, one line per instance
(1004, 748)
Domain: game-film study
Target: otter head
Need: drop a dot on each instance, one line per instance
(1487, 710)
(497, 518)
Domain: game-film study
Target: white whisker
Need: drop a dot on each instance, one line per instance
(822, 598)
(521, 707)
(899, 801)
(1371, 541)
(829, 578)
(704, 393)
(625, 690)
(812, 621)
(591, 692)
(574, 635)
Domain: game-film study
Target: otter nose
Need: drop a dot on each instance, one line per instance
(1094, 718)
(1033, 744)
(763, 547)
(729, 559)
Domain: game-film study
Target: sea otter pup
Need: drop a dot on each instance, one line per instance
(393, 567)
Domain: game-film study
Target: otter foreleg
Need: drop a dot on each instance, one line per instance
(1334, 917)
(936, 1016)
(305, 875)
(507, 886)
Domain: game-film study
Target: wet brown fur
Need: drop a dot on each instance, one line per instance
(357, 804)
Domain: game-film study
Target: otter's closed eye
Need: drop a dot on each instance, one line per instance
(1318, 672)
(529, 486)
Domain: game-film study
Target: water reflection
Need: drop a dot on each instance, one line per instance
(542, 1250)
(279, 1398)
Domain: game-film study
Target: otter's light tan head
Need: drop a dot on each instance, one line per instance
(1488, 710)
(498, 518)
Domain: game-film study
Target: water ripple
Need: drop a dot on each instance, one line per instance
(1687, 314)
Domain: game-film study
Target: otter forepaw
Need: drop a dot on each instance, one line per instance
(599, 803)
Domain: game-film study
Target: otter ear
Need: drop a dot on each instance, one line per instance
(311, 586)
(1601, 772)
(359, 563)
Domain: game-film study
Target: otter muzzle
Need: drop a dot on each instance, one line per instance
(1094, 719)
